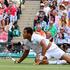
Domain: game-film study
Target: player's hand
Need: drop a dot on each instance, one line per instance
(44, 60)
(16, 61)
(37, 61)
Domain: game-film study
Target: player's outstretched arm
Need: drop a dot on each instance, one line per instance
(44, 46)
(25, 54)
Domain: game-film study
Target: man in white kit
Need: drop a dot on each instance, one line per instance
(42, 46)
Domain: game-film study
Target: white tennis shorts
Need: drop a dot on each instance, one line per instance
(55, 52)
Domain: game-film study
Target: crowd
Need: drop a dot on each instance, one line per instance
(53, 20)
(9, 14)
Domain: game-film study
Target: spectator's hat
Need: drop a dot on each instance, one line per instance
(42, 5)
(62, 5)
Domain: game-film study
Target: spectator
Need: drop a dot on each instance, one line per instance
(13, 14)
(46, 7)
(16, 30)
(3, 22)
(62, 40)
(62, 21)
(67, 30)
(41, 9)
(62, 9)
(42, 22)
(51, 28)
(3, 35)
(39, 30)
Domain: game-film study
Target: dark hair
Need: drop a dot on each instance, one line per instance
(29, 30)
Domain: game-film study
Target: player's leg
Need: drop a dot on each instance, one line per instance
(56, 53)
(60, 54)
(57, 62)
(66, 57)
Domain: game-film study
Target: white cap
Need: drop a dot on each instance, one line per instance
(62, 5)
(41, 4)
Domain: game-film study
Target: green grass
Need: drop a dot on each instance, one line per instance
(28, 64)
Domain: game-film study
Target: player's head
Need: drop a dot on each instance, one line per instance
(27, 32)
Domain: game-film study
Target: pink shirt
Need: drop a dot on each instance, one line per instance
(1, 11)
(4, 37)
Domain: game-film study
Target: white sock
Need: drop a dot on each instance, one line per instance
(52, 62)
(61, 62)
(58, 62)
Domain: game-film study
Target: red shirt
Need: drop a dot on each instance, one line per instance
(7, 10)
(13, 10)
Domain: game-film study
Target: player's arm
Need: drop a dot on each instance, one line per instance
(25, 54)
(45, 47)
(42, 59)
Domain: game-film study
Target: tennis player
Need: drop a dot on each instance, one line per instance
(43, 47)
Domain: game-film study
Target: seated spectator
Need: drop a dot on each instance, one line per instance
(13, 13)
(62, 21)
(41, 8)
(10, 34)
(46, 7)
(62, 9)
(3, 35)
(61, 39)
(16, 30)
(51, 28)
(54, 3)
(67, 30)
(38, 29)
(3, 23)
(42, 12)
(42, 22)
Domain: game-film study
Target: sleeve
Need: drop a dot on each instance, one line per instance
(37, 38)
(26, 44)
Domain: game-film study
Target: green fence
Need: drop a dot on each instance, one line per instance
(17, 55)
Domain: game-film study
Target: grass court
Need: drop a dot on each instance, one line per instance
(28, 64)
